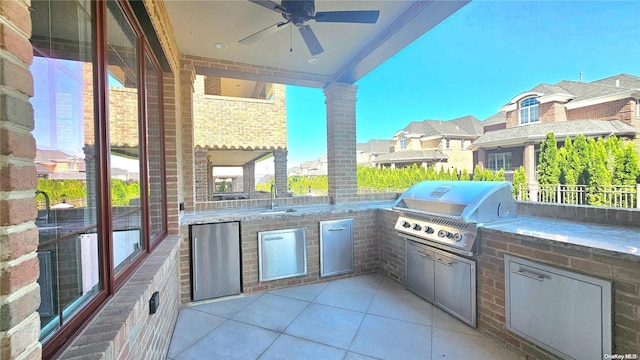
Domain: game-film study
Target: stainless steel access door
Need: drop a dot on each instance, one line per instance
(215, 260)
(336, 247)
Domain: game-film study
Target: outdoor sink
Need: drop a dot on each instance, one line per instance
(277, 211)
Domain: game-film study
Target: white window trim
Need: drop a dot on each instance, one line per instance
(520, 108)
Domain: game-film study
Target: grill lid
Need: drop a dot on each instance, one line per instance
(469, 201)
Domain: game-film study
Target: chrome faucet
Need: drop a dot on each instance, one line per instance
(47, 215)
(274, 193)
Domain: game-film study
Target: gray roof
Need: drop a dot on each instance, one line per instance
(589, 128)
(375, 146)
(497, 118)
(464, 126)
(410, 155)
(588, 90)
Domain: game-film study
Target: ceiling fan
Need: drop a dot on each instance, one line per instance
(297, 12)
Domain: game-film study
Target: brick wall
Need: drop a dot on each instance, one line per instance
(123, 116)
(124, 329)
(222, 122)
(201, 166)
(491, 295)
(19, 292)
(366, 258)
(622, 110)
(552, 112)
(391, 246)
(187, 76)
(341, 141)
(212, 85)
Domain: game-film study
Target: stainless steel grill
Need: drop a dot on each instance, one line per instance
(446, 214)
(439, 220)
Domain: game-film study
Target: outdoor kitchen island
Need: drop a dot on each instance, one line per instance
(564, 237)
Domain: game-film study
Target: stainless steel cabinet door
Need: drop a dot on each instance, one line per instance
(215, 258)
(336, 247)
(419, 270)
(567, 313)
(455, 287)
(282, 253)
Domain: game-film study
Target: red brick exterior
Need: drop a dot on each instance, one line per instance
(622, 110)
(19, 294)
(341, 141)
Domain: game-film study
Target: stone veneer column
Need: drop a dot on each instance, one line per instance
(249, 179)
(19, 268)
(280, 165)
(341, 141)
(187, 77)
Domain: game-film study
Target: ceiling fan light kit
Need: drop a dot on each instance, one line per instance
(298, 12)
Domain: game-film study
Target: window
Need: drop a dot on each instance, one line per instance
(403, 141)
(637, 108)
(447, 144)
(76, 108)
(500, 161)
(529, 111)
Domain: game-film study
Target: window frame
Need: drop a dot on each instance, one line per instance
(57, 341)
(527, 105)
(403, 141)
(507, 155)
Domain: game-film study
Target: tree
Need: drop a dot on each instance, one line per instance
(626, 166)
(548, 162)
(520, 184)
(598, 171)
(465, 175)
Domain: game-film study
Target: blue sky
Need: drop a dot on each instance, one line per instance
(474, 62)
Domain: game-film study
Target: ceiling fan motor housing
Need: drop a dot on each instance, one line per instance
(299, 11)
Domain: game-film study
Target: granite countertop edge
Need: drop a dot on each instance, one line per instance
(598, 238)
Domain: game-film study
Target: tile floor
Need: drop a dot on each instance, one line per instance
(362, 317)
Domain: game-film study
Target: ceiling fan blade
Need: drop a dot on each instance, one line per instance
(311, 40)
(362, 17)
(271, 5)
(262, 33)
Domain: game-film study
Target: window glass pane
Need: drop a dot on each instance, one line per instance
(124, 138)
(155, 151)
(66, 196)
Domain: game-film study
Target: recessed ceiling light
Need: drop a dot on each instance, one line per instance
(221, 46)
(312, 61)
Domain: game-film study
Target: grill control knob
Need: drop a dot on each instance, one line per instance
(417, 227)
(429, 230)
(443, 233)
(457, 237)
(405, 224)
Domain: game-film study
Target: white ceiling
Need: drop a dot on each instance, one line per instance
(350, 50)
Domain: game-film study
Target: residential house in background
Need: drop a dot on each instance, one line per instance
(443, 144)
(368, 152)
(600, 108)
(56, 164)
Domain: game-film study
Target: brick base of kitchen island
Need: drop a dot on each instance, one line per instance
(624, 273)
(365, 252)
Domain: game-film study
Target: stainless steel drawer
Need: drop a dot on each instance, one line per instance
(336, 247)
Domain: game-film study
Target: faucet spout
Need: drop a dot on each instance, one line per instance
(47, 215)
(274, 194)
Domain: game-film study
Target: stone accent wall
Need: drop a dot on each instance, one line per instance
(223, 122)
(491, 293)
(366, 258)
(19, 291)
(249, 179)
(341, 141)
(124, 329)
(622, 110)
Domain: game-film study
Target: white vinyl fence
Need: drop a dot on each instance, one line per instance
(624, 196)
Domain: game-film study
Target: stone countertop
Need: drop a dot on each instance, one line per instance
(605, 238)
(251, 214)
